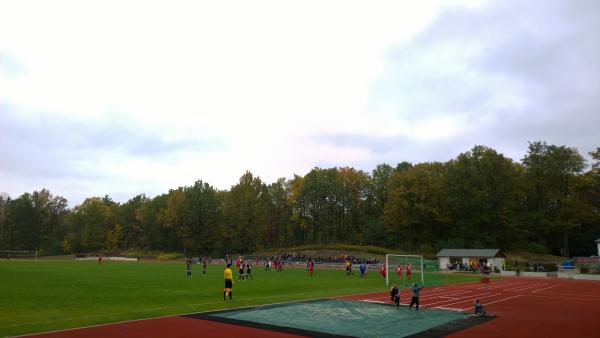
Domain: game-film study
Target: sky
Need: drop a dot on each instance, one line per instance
(121, 98)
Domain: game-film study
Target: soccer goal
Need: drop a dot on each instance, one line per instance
(8, 254)
(398, 266)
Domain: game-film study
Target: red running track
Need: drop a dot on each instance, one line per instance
(172, 327)
(525, 307)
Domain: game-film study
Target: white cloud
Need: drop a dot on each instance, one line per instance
(121, 98)
(258, 78)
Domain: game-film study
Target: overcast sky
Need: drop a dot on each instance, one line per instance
(130, 97)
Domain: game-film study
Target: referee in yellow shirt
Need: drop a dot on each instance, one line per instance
(228, 282)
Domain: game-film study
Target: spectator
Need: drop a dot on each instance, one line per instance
(415, 296)
(479, 311)
(395, 295)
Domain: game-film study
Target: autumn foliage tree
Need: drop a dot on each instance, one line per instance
(548, 203)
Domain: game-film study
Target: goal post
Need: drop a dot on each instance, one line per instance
(414, 262)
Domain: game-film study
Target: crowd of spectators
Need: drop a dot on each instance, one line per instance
(459, 266)
(535, 267)
(290, 257)
(473, 266)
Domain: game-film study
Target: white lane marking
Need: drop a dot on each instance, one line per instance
(550, 287)
(466, 299)
(428, 295)
(522, 286)
(449, 308)
(574, 299)
(496, 301)
(533, 286)
(496, 286)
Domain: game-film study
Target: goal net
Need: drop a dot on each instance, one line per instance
(8, 254)
(404, 269)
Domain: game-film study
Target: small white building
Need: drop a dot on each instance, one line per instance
(495, 257)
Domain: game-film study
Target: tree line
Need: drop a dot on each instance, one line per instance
(549, 202)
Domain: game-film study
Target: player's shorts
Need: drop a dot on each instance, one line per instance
(228, 284)
(241, 271)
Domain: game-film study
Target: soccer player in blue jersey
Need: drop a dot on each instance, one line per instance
(415, 295)
(363, 269)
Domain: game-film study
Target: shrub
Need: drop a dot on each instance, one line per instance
(135, 253)
(352, 247)
(584, 269)
(169, 256)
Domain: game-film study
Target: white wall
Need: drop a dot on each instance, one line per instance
(92, 258)
(444, 261)
(497, 262)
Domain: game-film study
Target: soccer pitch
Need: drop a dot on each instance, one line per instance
(45, 295)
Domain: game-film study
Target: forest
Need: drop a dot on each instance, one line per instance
(549, 202)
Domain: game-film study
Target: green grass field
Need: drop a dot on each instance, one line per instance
(45, 295)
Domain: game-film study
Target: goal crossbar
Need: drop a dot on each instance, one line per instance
(406, 259)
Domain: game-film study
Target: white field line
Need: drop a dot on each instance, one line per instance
(579, 295)
(428, 291)
(449, 308)
(550, 287)
(179, 314)
(473, 285)
(482, 296)
(428, 295)
(585, 299)
(516, 287)
(378, 299)
(439, 294)
(532, 286)
(381, 302)
(421, 303)
(496, 286)
(448, 290)
(448, 301)
(496, 301)
(442, 294)
(461, 286)
(508, 284)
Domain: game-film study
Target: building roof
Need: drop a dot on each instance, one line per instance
(485, 253)
(598, 240)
